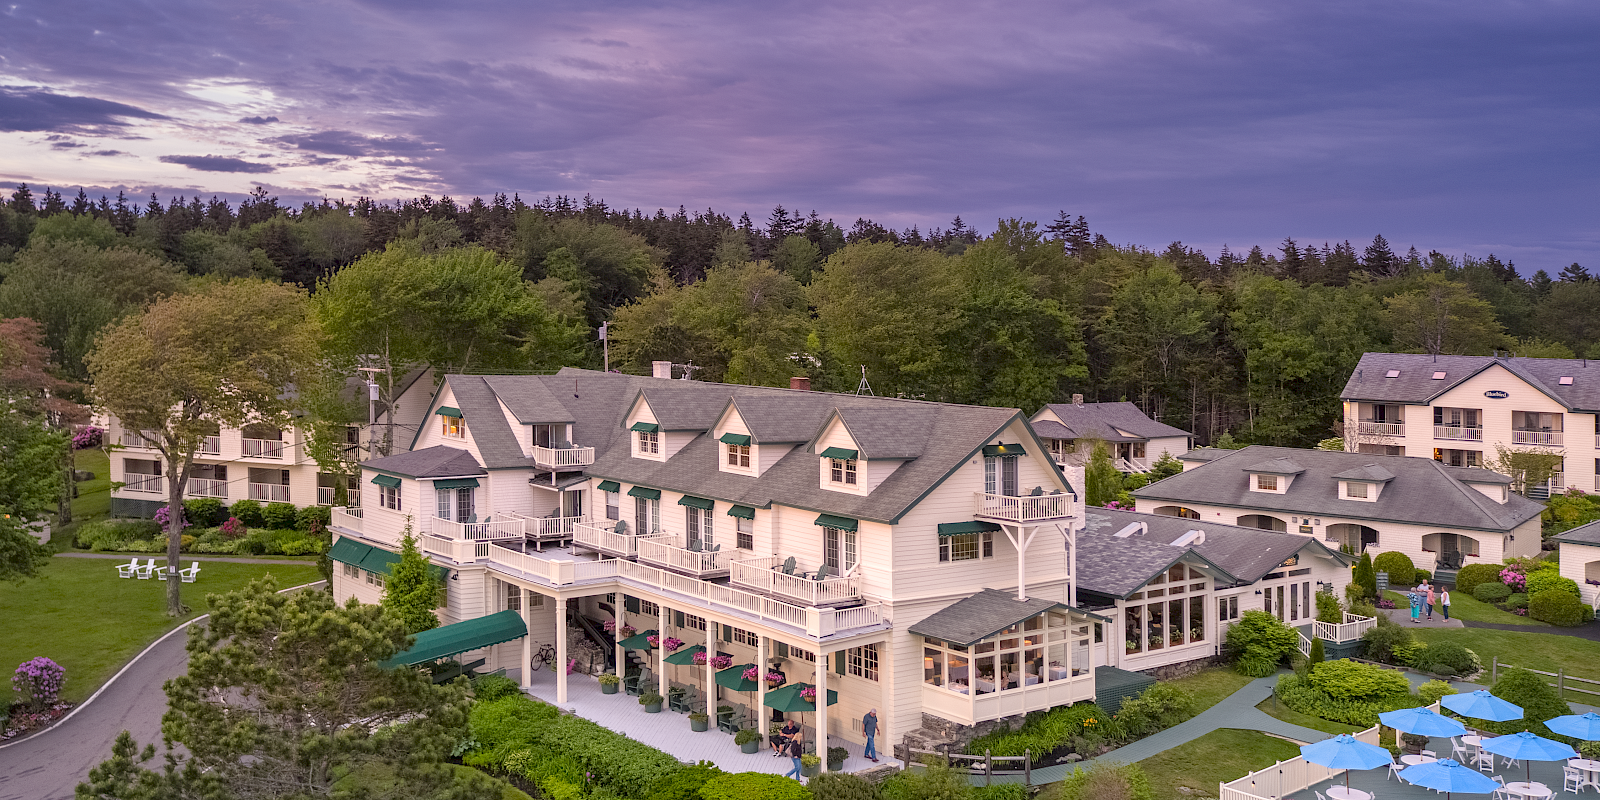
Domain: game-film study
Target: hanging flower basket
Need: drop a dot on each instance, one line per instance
(809, 694)
(775, 679)
(700, 658)
(610, 625)
(721, 662)
(627, 631)
(654, 640)
(671, 643)
(752, 674)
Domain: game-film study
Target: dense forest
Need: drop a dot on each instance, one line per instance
(1256, 345)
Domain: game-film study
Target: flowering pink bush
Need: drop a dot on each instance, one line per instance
(87, 437)
(671, 643)
(164, 516)
(1516, 580)
(721, 662)
(233, 528)
(1116, 505)
(809, 694)
(752, 674)
(700, 658)
(39, 682)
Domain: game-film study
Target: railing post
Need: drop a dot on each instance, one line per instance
(1561, 681)
(1027, 769)
(564, 572)
(1494, 670)
(988, 767)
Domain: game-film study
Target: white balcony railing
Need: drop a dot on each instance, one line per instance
(212, 446)
(669, 550)
(1371, 428)
(546, 528)
(1536, 437)
(136, 482)
(602, 538)
(208, 487)
(264, 448)
(325, 496)
(350, 518)
(132, 439)
(1353, 627)
(563, 457)
(270, 492)
(1028, 508)
(1457, 433)
(764, 574)
(499, 530)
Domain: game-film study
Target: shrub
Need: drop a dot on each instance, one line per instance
(1589, 750)
(1518, 581)
(1447, 658)
(233, 528)
(935, 780)
(302, 546)
(1407, 655)
(1398, 565)
(1537, 699)
(1431, 691)
(1383, 638)
(685, 783)
(746, 735)
(1106, 782)
(250, 547)
(1557, 607)
(1300, 695)
(753, 786)
(207, 512)
(626, 766)
(313, 519)
(1473, 574)
(842, 786)
(1160, 706)
(1351, 680)
(998, 791)
(248, 512)
(488, 688)
(1044, 733)
(38, 682)
(1365, 576)
(1547, 579)
(1517, 601)
(1259, 641)
(1328, 609)
(1318, 653)
(279, 516)
(1422, 576)
(1492, 592)
(110, 534)
(88, 437)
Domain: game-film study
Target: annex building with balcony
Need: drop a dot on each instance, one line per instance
(1136, 441)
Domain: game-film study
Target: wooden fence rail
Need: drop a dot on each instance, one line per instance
(1562, 683)
(978, 765)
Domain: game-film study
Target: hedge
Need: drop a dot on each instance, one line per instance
(1300, 695)
(1352, 680)
(1043, 733)
(516, 723)
(1104, 781)
(1401, 571)
(753, 786)
(1492, 592)
(1546, 579)
(1473, 574)
(838, 786)
(1557, 607)
(279, 516)
(1448, 658)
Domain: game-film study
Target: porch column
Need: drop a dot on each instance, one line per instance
(1020, 539)
(1072, 565)
(620, 617)
(822, 709)
(527, 641)
(760, 711)
(661, 636)
(561, 650)
(711, 672)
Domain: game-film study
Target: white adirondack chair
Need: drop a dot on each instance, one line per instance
(127, 570)
(188, 575)
(146, 571)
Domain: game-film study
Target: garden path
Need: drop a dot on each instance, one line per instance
(1402, 616)
(124, 557)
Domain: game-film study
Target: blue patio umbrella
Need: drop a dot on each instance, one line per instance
(1578, 726)
(1481, 705)
(1448, 776)
(1346, 752)
(1422, 722)
(1528, 746)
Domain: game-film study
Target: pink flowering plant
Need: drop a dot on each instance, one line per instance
(164, 516)
(1118, 505)
(39, 682)
(700, 658)
(654, 640)
(776, 678)
(233, 528)
(752, 674)
(87, 438)
(809, 694)
(671, 643)
(610, 626)
(721, 662)
(1516, 580)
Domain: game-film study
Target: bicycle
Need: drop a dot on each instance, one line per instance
(543, 654)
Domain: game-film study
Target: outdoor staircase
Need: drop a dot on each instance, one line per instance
(1445, 576)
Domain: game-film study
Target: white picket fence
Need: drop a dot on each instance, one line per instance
(1287, 777)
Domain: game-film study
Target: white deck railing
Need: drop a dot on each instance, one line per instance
(546, 527)
(669, 550)
(762, 574)
(270, 492)
(1536, 437)
(476, 531)
(1353, 628)
(596, 536)
(138, 482)
(348, 517)
(212, 446)
(1028, 508)
(208, 487)
(563, 456)
(263, 448)
(1382, 428)
(133, 439)
(1457, 432)
(1288, 777)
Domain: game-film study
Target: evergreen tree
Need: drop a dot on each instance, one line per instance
(1378, 259)
(1101, 480)
(81, 204)
(1256, 257)
(1574, 273)
(1293, 266)
(1541, 283)
(413, 591)
(22, 199)
(1316, 656)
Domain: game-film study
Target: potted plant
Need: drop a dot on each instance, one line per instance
(1413, 742)
(651, 703)
(836, 757)
(775, 679)
(609, 683)
(749, 740)
(698, 721)
(700, 658)
(671, 643)
(721, 662)
(810, 765)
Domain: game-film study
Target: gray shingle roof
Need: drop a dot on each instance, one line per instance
(1098, 421)
(887, 432)
(1424, 492)
(1415, 383)
(438, 461)
(1366, 472)
(1204, 454)
(1276, 466)
(1118, 566)
(980, 616)
(1583, 534)
(1245, 554)
(529, 400)
(774, 419)
(687, 406)
(486, 423)
(1050, 429)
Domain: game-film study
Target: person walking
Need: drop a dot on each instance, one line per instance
(1430, 598)
(869, 726)
(1416, 606)
(1444, 601)
(794, 750)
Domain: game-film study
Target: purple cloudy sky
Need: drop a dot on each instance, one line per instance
(1458, 125)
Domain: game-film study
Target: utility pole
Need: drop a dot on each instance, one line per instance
(605, 341)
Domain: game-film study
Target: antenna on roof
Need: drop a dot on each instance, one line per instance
(688, 371)
(864, 388)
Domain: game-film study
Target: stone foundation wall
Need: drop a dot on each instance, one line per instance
(943, 735)
(1183, 669)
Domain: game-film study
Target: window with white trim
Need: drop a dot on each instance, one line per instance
(454, 427)
(649, 609)
(839, 550)
(350, 570)
(513, 597)
(966, 546)
(649, 443)
(613, 505)
(1356, 489)
(697, 526)
(739, 455)
(375, 579)
(1227, 608)
(745, 637)
(694, 623)
(1267, 483)
(746, 529)
(646, 515)
(802, 655)
(842, 471)
(862, 661)
(1000, 475)
(389, 497)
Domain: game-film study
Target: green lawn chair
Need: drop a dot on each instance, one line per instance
(788, 566)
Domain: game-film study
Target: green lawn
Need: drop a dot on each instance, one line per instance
(78, 612)
(1545, 651)
(1211, 686)
(93, 500)
(1465, 606)
(1222, 755)
(1273, 708)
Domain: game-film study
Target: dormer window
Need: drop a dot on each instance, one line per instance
(842, 471)
(451, 423)
(1356, 490)
(737, 446)
(1267, 483)
(647, 438)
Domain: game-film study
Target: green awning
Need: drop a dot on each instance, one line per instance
(970, 526)
(638, 641)
(645, 427)
(473, 634)
(610, 486)
(696, 502)
(685, 655)
(648, 494)
(997, 450)
(381, 561)
(346, 551)
(742, 512)
(733, 678)
(831, 521)
(839, 452)
(387, 480)
(735, 438)
(456, 483)
(449, 411)
(787, 698)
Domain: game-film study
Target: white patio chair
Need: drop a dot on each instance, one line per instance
(1484, 761)
(1430, 754)
(127, 570)
(1459, 752)
(1501, 793)
(188, 575)
(1394, 770)
(144, 572)
(1571, 778)
(161, 573)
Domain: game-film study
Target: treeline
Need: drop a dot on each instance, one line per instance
(1257, 344)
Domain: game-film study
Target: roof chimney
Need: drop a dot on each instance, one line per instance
(661, 369)
(800, 384)
(1077, 400)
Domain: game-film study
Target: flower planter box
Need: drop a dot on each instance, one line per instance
(752, 746)
(608, 688)
(699, 725)
(653, 708)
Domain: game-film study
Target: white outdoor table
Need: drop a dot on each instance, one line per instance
(1590, 770)
(1413, 760)
(1341, 793)
(1528, 790)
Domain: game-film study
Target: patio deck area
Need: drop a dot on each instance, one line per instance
(669, 731)
(1382, 787)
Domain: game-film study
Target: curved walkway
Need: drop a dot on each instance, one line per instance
(1590, 631)
(49, 764)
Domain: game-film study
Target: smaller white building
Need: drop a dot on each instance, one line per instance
(1136, 440)
(1580, 560)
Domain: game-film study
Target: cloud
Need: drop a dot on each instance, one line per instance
(105, 153)
(65, 145)
(346, 143)
(218, 164)
(258, 120)
(28, 109)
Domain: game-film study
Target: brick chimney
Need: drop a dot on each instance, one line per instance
(800, 384)
(1077, 400)
(661, 369)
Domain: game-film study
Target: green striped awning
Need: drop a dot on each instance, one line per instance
(970, 526)
(831, 521)
(448, 411)
(645, 427)
(345, 551)
(387, 480)
(610, 486)
(456, 483)
(696, 502)
(648, 494)
(840, 452)
(742, 512)
(372, 559)
(735, 438)
(472, 634)
(998, 450)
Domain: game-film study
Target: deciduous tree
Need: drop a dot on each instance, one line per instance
(1443, 316)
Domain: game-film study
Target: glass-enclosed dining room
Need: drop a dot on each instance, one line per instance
(1053, 646)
